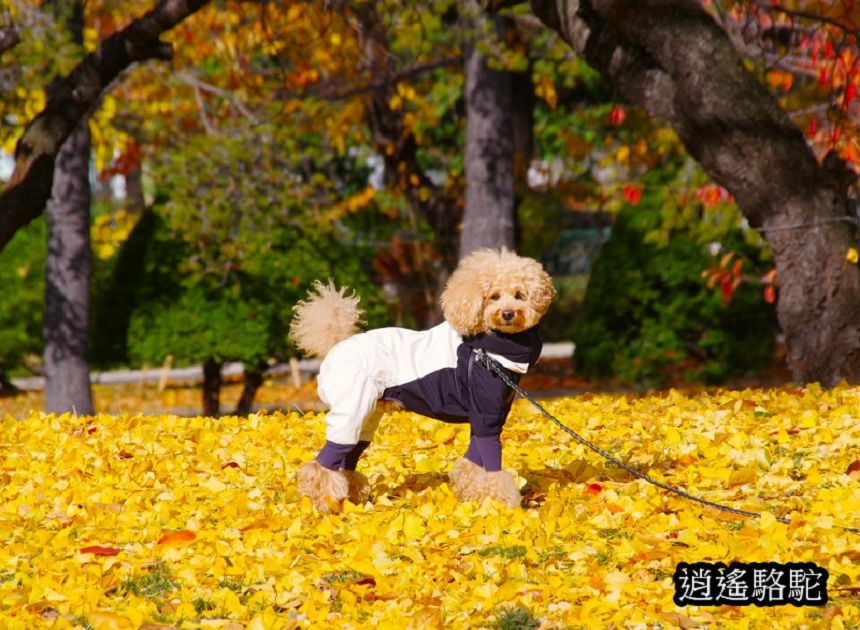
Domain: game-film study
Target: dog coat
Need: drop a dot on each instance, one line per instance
(432, 372)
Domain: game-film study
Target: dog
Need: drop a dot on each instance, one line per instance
(492, 302)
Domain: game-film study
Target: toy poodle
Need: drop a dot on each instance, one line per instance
(493, 302)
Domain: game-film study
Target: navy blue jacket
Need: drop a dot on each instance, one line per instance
(470, 392)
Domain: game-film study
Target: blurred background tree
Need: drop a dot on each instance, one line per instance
(290, 142)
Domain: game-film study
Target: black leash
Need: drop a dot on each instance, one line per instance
(491, 364)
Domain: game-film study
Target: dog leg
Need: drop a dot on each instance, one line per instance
(324, 487)
(470, 482)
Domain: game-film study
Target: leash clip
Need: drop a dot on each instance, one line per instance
(493, 365)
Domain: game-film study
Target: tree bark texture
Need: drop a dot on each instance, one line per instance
(73, 97)
(488, 215)
(67, 286)
(671, 58)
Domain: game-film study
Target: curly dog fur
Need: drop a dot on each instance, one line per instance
(491, 292)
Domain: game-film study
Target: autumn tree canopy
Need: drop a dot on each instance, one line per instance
(759, 94)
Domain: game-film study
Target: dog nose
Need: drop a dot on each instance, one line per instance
(507, 315)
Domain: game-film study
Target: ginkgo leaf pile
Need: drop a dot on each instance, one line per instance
(123, 521)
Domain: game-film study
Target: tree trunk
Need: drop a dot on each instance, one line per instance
(212, 388)
(67, 287)
(488, 215)
(671, 58)
(253, 382)
(7, 387)
(438, 205)
(135, 201)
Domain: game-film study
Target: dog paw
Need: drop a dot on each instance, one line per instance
(470, 482)
(502, 487)
(465, 479)
(325, 488)
(359, 488)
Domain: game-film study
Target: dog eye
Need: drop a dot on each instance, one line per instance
(495, 296)
(519, 295)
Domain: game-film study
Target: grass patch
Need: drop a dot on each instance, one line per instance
(516, 618)
(152, 585)
(342, 577)
(511, 553)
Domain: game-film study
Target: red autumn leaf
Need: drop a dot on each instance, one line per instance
(594, 488)
(850, 92)
(617, 116)
(769, 294)
(229, 465)
(105, 25)
(98, 550)
(711, 195)
(853, 466)
(811, 127)
(180, 536)
(366, 581)
(727, 287)
(737, 268)
(632, 194)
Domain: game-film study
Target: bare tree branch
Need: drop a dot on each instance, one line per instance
(69, 101)
(200, 87)
(769, 7)
(390, 80)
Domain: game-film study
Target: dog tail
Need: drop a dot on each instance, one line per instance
(326, 317)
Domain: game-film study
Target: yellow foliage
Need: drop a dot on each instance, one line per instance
(545, 89)
(131, 520)
(109, 231)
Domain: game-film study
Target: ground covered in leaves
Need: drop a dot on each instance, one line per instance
(130, 520)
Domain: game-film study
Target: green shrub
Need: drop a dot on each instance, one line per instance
(648, 316)
(22, 276)
(156, 307)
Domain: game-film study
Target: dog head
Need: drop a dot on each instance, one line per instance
(496, 290)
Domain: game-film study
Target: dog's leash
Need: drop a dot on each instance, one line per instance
(491, 364)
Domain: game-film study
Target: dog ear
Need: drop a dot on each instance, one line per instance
(463, 298)
(543, 291)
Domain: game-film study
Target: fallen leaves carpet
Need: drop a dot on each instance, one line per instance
(165, 521)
